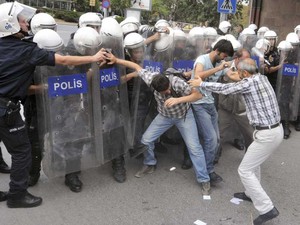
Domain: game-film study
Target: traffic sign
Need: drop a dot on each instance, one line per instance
(106, 4)
(227, 6)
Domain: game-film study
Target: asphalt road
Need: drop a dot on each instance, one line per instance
(164, 197)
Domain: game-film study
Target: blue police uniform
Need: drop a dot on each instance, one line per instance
(18, 60)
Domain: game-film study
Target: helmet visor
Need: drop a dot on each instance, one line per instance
(21, 11)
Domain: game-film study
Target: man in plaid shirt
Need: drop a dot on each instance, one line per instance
(263, 113)
(173, 97)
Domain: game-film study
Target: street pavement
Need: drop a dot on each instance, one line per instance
(164, 197)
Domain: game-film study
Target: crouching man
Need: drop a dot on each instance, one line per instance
(173, 97)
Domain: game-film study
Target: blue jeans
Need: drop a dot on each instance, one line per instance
(188, 129)
(206, 117)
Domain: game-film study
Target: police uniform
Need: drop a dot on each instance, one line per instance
(273, 58)
(17, 63)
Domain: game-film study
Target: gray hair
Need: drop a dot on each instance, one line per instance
(248, 65)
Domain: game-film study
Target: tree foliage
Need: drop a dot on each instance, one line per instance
(189, 11)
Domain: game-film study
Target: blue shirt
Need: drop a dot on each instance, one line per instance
(207, 65)
(18, 60)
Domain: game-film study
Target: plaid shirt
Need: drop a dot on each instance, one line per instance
(261, 103)
(178, 85)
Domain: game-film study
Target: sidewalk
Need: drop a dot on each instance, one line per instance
(164, 197)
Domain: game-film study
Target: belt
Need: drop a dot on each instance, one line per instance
(267, 127)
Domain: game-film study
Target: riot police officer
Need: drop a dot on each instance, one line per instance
(18, 60)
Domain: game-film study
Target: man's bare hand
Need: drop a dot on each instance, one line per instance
(195, 82)
(171, 102)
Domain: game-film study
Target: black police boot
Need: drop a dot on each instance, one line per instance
(26, 201)
(297, 124)
(4, 168)
(286, 129)
(238, 143)
(187, 162)
(35, 170)
(119, 171)
(73, 182)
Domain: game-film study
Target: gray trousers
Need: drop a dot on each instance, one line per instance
(231, 125)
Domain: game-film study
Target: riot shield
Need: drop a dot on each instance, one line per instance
(139, 96)
(248, 41)
(288, 84)
(65, 119)
(195, 43)
(159, 57)
(110, 105)
(183, 56)
(210, 36)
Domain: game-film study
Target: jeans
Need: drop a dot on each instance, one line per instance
(206, 117)
(188, 129)
(264, 144)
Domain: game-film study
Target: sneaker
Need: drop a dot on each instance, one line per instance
(205, 187)
(147, 169)
(215, 178)
(266, 217)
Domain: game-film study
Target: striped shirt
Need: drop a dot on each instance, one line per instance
(180, 87)
(261, 103)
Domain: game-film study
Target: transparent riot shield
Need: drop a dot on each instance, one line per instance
(210, 37)
(140, 97)
(195, 43)
(288, 84)
(66, 129)
(248, 41)
(183, 56)
(159, 57)
(110, 105)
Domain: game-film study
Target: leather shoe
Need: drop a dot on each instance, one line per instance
(27, 201)
(242, 195)
(3, 196)
(4, 168)
(215, 178)
(73, 182)
(237, 143)
(266, 217)
(186, 164)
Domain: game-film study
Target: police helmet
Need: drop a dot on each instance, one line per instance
(210, 31)
(129, 25)
(285, 45)
(297, 29)
(133, 40)
(110, 27)
(161, 23)
(263, 45)
(165, 41)
(196, 32)
(270, 34)
(86, 39)
(253, 26)
(179, 35)
(9, 14)
(90, 19)
(48, 39)
(224, 26)
(261, 31)
(42, 21)
(292, 38)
